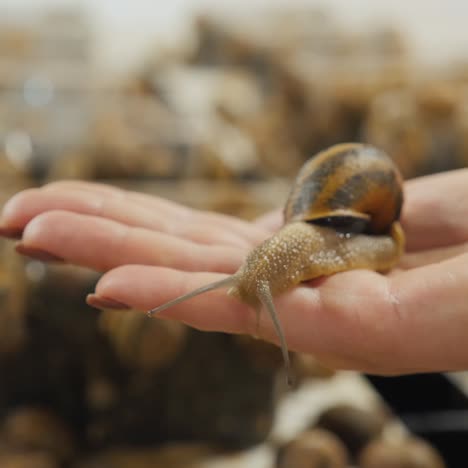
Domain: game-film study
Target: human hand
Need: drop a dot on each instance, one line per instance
(152, 250)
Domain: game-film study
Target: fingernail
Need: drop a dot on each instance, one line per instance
(37, 254)
(11, 233)
(100, 302)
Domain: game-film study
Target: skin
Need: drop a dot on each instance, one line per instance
(151, 250)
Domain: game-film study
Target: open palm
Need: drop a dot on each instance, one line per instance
(152, 250)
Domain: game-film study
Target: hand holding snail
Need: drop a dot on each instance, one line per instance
(152, 250)
(342, 214)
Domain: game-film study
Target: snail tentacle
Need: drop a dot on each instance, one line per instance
(265, 297)
(203, 289)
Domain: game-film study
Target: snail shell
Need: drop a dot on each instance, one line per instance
(348, 180)
(342, 214)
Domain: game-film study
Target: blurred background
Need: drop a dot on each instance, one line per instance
(215, 106)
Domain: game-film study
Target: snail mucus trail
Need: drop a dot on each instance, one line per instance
(342, 213)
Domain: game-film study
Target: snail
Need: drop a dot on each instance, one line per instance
(313, 448)
(407, 452)
(342, 213)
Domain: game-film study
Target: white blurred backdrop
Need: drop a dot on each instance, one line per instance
(125, 31)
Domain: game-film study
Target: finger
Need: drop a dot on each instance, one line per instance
(435, 213)
(181, 222)
(103, 244)
(315, 320)
(111, 192)
(426, 257)
(271, 221)
(429, 219)
(143, 287)
(169, 208)
(356, 320)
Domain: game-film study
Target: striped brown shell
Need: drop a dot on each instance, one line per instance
(347, 182)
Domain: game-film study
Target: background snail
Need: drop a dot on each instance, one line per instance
(342, 214)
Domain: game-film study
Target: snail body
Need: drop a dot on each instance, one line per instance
(342, 214)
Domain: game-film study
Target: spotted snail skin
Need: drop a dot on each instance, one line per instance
(342, 214)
